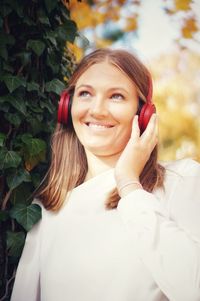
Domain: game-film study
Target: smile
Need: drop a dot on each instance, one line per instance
(98, 125)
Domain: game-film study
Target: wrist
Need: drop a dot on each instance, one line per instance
(125, 186)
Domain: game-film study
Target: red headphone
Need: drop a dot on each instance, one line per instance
(144, 115)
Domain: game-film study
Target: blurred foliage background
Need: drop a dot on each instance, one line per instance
(40, 43)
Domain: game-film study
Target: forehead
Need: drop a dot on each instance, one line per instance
(104, 72)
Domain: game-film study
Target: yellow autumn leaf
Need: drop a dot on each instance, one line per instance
(85, 15)
(189, 28)
(80, 12)
(113, 13)
(131, 24)
(182, 4)
(102, 43)
(75, 50)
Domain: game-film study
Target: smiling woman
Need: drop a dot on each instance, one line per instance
(104, 156)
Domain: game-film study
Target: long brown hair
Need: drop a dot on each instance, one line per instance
(68, 166)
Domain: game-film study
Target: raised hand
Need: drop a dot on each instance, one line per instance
(137, 151)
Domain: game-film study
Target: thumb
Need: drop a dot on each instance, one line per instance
(135, 128)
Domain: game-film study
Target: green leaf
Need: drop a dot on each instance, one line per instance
(67, 31)
(32, 86)
(15, 243)
(50, 4)
(13, 118)
(17, 177)
(53, 62)
(2, 139)
(17, 103)
(9, 159)
(6, 39)
(7, 67)
(5, 10)
(1, 22)
(25, 57)
(3, 52)
(3, 216)
(21, 194)
(26, 138)
(13, 82)
(44, 20)
(55, 86)
(34, 151)
(48, 105)
(18, 7)
(36, 126)
(37, 46)
(51, 36)
(26, 216)
(34, 145)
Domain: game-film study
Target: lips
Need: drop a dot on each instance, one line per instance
(99, 125)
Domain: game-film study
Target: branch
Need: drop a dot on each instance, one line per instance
(7, 29)
(7, 286)
(5, 200)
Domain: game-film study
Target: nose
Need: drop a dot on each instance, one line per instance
(98, 107)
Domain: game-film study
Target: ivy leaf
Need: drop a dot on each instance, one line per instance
(15, 243)
(67, 31)
(6, 39)
(34, 151)
(3, 216)
(5, 10)
(13, 82)
(32, 86)
(2, 139)
(17, 103)
(3, 52)
(21, 194)
(26, 216)
(55, 86)
(37, 46)
(50, 5)
(13, 119)
(25, 57)
(33, 145)
(9, 159)
(17, 177)
(51, 36)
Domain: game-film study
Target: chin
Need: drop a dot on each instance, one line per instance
(106, 151)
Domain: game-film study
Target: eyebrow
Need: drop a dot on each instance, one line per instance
(110, 90)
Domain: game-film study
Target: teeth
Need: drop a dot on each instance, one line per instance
(98, 125)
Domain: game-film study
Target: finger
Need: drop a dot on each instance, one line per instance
(135, 128)
(150, 129)
(153, 140)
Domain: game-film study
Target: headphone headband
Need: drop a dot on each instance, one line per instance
(150, 92)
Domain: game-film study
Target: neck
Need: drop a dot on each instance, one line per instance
(99, 164)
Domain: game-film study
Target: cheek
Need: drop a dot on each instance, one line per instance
(76, 112)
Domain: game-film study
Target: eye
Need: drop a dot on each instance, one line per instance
(117, 96)
(83, 93)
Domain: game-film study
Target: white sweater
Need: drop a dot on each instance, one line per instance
(147, 249)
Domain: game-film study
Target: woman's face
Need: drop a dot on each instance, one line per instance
(104, 104)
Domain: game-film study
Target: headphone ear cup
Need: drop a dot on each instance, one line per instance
(147, 110)
(63, 108)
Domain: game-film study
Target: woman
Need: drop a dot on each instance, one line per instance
(147, 246)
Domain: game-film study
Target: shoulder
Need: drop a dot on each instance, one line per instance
(184, 167)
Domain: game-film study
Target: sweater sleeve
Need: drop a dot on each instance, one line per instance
(168, 243)
(27, 280)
